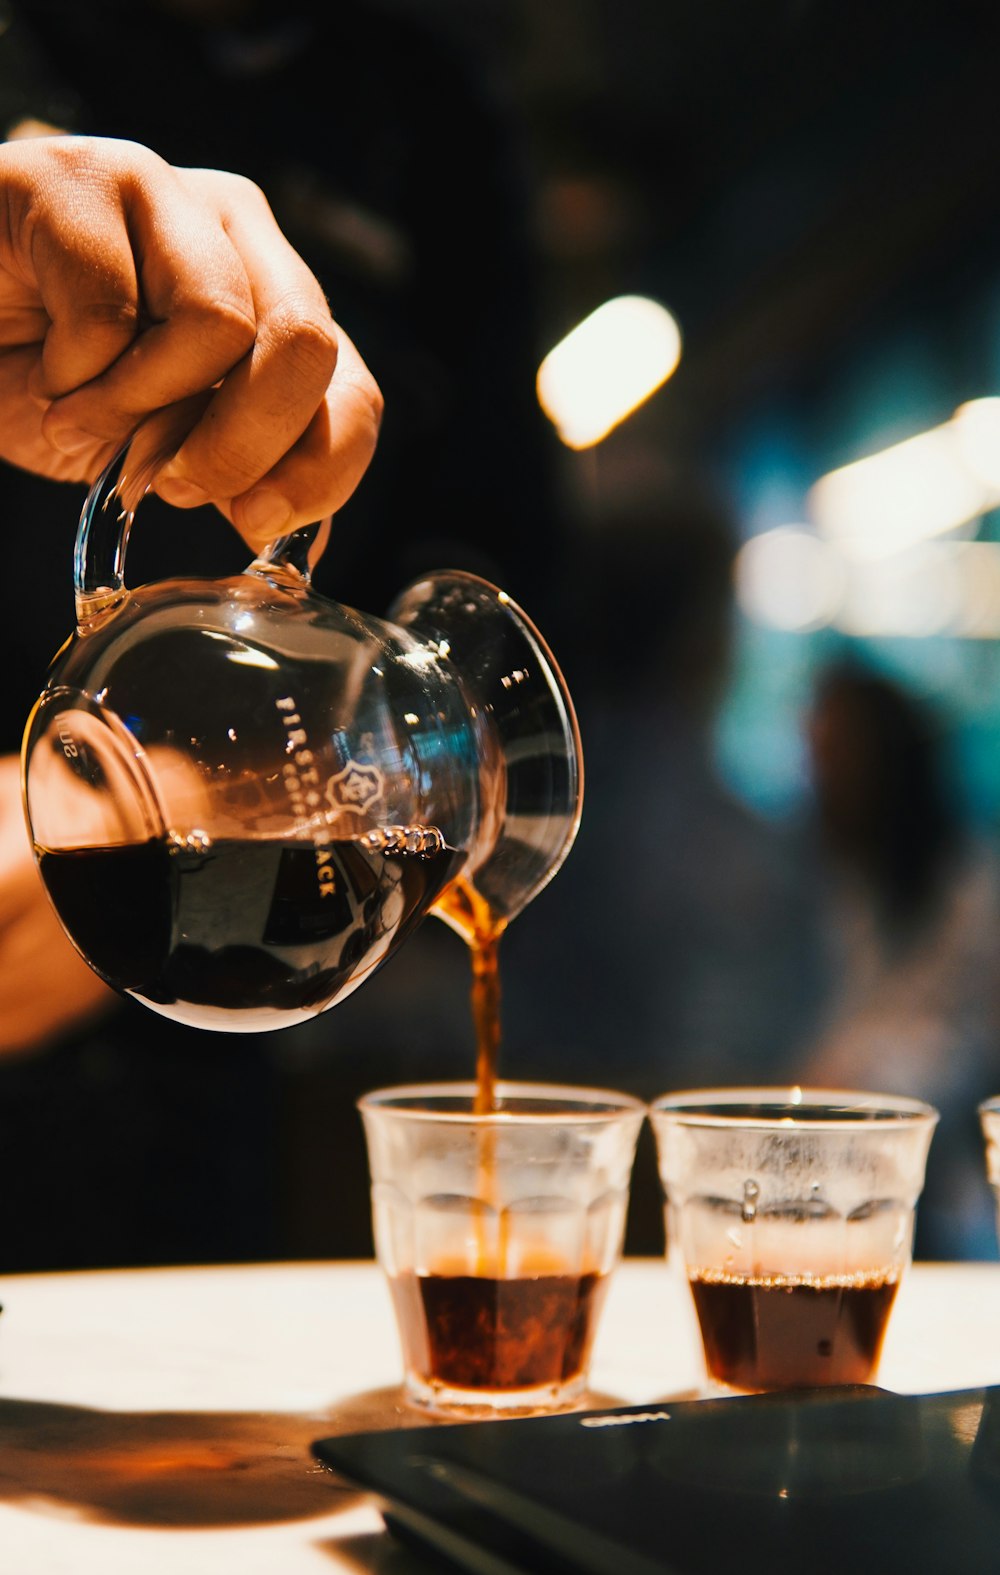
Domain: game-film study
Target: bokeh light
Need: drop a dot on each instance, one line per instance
(606, 367)
(789, 579)
(889, 501)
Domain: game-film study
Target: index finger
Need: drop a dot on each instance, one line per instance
(317, 476)
(74, 257)
(200, 319)
(267, 401)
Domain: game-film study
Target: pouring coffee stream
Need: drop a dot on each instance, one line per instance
(243, 796)
(463, 908)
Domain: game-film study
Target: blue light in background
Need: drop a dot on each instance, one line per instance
(905, 383)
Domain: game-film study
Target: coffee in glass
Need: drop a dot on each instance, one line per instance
(790, 1214)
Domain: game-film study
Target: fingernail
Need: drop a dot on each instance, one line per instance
(263, 513)
(70, 440)
(185, 494)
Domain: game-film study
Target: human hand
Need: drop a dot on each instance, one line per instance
(128, 286)
(46, 988)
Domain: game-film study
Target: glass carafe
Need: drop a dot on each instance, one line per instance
(243, 796)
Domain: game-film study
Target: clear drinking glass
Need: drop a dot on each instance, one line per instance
(790, 1213)
(498, 1233)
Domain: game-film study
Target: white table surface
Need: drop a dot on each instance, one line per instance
(159, 1420)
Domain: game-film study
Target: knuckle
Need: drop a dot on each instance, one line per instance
(105, 163)
(225, 323)
(225, 465)
(376, 403)
(304, 337)
(232, 190)
(369, 402)
(240, 188)
(233, 318)
(213, 478)
(130, 157)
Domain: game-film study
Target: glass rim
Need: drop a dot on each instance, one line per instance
(566, 1102)
(791, 1106)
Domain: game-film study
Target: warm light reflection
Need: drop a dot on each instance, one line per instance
(251, 658)
(875, 564)
(912, 594)
(976, 426)
(606, 367)
(905, 494)
(977, 564)
(935, 588)
(790, 579)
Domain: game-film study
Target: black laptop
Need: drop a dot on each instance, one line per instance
(852, 1481)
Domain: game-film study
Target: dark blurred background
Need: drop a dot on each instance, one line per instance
(788, 686)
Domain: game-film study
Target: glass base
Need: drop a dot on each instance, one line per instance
(447, 1400)
(714, 1388)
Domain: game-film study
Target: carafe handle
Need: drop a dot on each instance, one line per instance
(99, 553)
(106, 521)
